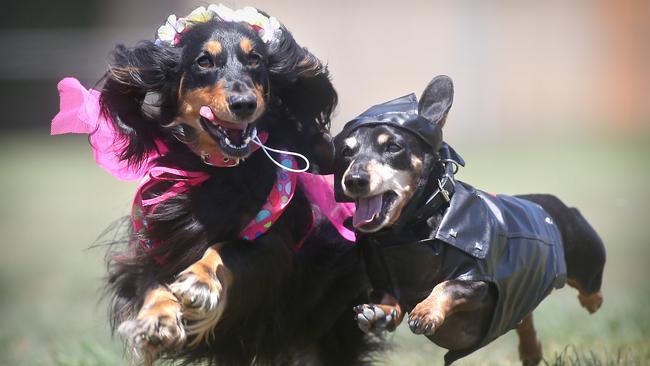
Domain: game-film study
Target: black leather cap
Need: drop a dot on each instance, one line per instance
(401, 113)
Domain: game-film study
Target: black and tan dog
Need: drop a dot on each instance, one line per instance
(466, 265)
(187, 285)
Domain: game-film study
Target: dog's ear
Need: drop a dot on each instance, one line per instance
(302, 83)
(136, 74)
(436, 100)
(341, 164)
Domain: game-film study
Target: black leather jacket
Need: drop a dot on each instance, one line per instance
(507, 241)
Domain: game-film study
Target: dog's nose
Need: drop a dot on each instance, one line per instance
(242, 105)
(357, 183)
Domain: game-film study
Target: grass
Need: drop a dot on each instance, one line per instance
(571, 356)
(56, 201)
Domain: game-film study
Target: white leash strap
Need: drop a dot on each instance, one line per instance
(266, 150)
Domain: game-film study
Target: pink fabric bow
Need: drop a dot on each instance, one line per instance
(80, 112)
(319, 189)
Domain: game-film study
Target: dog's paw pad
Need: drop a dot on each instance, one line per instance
(372, 318)
(151, 335)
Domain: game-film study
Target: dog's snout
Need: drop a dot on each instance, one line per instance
(242, 105)
(357, 183)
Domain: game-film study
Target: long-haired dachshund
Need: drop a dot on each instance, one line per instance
(467, 266)
(189, 285)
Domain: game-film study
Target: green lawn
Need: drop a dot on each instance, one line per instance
(56, 202)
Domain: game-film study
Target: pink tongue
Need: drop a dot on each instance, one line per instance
(206, 113)
(367, 209)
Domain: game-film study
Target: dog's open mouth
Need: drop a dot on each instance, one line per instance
(372, 212)
(233, 139)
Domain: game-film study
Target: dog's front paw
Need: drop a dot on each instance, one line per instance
(425, 319)
(199, 291)
(376, 318)
(156, 330)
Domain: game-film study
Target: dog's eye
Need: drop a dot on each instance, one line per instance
(205, 61)
(393, 148)
(346, 151)
(254, 59)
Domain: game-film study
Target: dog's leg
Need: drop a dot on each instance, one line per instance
(530, 348)
(446, 298)
(379, 317)
(157, 327)
(202, 290)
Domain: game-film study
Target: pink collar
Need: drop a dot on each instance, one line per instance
(218, 159)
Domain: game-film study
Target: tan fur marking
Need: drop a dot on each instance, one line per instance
(246, 45)
(435, 308)
(416, 163)
(190, 104)
(376, 172)
(213, 47)
(591, 302)
(399, 206)
(123, 75)
(212, 96)
(261, 100)
(159, 301)
(181, 84)
(310, 66)
(383, 138)
(442, 302)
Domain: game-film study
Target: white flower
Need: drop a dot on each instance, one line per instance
(271, 30)
(167, 32)
(200, 15)
(223, 12)
(181, 24)
(268, 28)
(251, 16)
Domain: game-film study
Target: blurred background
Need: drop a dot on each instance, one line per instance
(551, 96)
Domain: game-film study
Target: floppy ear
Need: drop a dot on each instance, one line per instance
(436, 100)
(341, 164)
(303, 85)
(134, 74)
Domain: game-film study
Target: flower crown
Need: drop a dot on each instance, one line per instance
(169, 34)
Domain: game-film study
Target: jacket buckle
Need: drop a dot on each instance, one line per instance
(443, 191)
